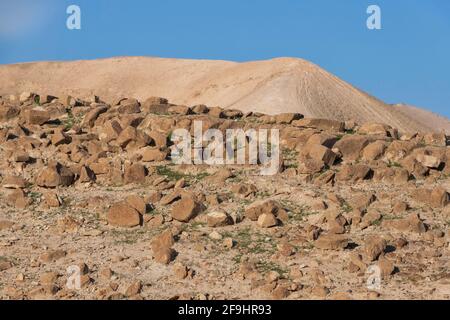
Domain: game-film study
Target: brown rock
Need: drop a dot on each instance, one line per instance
(267, 220)
(412, 223)
(14, 182)
(218, 219)
(439, 197)
(332, 242)
(386, 267)
(52, 255)
(186, 209)
(135, 173)
(122, 214)
(351, 146)
(287, 118)
(37, 116)
(137, 203)
(319, 153)
(52, 200)
(150, 154)
(55, 175)
(374, 151)
(164, 255)
(91, 116)
(374, 247)
(260, 207)
(323, 124)
(133, 289)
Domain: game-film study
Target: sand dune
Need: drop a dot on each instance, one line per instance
(272, 86)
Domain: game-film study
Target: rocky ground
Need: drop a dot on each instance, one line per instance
(91, 184)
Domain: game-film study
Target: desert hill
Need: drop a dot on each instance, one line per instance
(273, 86)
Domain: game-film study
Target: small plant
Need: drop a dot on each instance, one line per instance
(346, 207)
(175, 175)
(37, 100)
(394, 164)
(268, 266)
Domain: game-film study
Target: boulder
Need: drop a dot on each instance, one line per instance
(260, 207)
(186, 209)
(55, 175)
(350, 146)
(122, 214)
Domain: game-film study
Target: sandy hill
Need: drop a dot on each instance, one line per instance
(272, 86)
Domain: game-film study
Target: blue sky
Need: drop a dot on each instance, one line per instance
(407, 61)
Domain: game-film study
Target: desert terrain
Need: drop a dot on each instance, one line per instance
(87, 183)
(273, 86)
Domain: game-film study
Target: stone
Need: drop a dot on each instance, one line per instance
(351, 146)
(90, 118)
(5, 265)
(435, 139)
(374, 247)
(48, 277)
(60, 137)
(8, 112)
(55, 175)
(244, 190)
(374, 151)
(386, 267)
(110, 131)
(14, 182)
(215, 235)
(412, 223)
(373, 128)
(137, 203)
(52, 200)
(133, 289)
(354, 173)
(180, 271)
(135, 173)
(164, 255)
(18, 199)
(126, 136)
(324, 139)
(150, 154)
(260, 207)
(37, 116)
(267, 220)
(218, 219)
(129, 106)
(186, 209)
(52, 255)
(439, 197)
(323, 124)
(332, 242)
(121, 214)
(86, 175)
(287, 118)
(163, 240)
(400, 207)
(429, 161)
(319, 153)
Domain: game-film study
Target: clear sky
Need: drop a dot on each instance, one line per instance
(407, 61)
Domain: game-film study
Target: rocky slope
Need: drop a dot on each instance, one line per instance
(90, 186)
(273, 86)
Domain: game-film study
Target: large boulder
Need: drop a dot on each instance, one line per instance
(350, 146)
(55, 175)
(122, 214)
